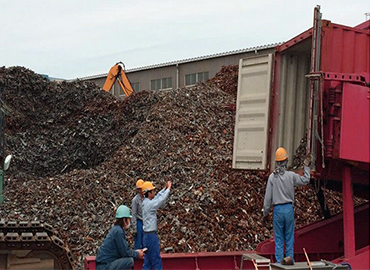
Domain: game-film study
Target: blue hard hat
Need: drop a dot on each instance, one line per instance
(123, 212)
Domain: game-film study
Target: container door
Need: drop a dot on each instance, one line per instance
(252, 110)
(355, 134)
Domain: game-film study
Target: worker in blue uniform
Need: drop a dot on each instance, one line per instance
(114, 253)
(137, 215)
(280, 195)
(151, 204)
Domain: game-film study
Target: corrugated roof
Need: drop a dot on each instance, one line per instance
(188, 60)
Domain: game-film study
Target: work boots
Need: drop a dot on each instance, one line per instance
(287, 261)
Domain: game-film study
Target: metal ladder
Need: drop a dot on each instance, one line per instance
(260, 262)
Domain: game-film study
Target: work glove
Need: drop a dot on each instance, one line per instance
(307, 161)
(141, 253)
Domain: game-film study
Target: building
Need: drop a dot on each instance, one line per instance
(177, 74)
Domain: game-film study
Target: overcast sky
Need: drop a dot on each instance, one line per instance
(77, 38)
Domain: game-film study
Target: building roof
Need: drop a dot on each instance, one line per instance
(188, 60)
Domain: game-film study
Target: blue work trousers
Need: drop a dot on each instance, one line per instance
(139, 243)
(120, 264)
(152, 258)
(284, 230)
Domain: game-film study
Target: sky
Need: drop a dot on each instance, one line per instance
(71, 39)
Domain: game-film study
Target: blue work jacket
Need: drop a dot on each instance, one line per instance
(115, 247)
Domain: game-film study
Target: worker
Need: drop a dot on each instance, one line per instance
(280, 195)
(151, 204)
(137, 215)
(115, 253)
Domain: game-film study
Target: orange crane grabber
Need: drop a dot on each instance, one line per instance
(117, 72)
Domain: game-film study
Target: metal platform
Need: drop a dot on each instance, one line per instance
(305, 266)
(260, 262)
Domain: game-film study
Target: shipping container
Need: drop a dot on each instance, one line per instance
(273, 101)
(312, 93)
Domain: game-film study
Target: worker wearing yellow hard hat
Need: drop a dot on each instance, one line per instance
(281, 154)
(137, 215)
(147, 186)
(151, 204)
(280, 195)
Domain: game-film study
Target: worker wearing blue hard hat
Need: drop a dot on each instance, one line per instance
(115, 253)
(280, 195)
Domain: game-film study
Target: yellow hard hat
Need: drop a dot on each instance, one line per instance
(139, 183)
(281, 154)
(147, 186)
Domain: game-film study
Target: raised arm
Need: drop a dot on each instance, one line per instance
(302, 180)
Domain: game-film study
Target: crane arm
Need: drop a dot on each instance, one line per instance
(117, 72)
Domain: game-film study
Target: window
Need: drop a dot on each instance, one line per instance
(158, 84)
(154, 84)
(135, 86)
(191, 79)
(203, 76)
(166, 83)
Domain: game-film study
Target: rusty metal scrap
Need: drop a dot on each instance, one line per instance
(78, 152)
(226, 79)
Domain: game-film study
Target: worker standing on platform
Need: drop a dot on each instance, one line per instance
(151, 204)
(280, 195)
(137, 215)
(115, 253)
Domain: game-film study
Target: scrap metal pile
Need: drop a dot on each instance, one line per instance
(78, 151)
(226, 79)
